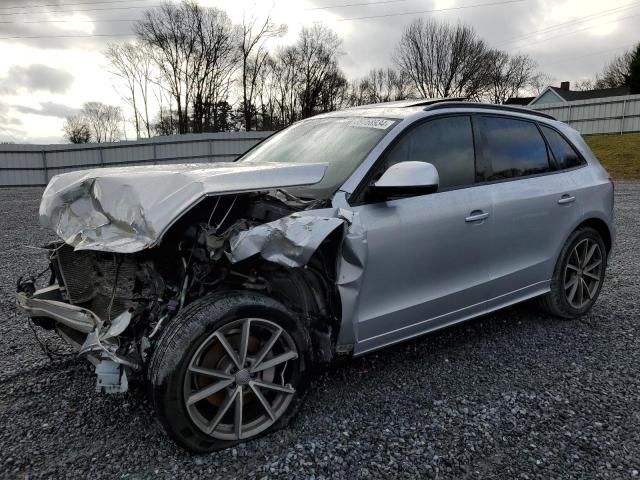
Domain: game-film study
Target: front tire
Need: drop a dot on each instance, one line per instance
(578, 276)
(229, 368)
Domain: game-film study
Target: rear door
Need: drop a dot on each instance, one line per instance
(533, 204)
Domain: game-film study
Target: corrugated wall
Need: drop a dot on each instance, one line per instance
(601, 115)
(36, 164)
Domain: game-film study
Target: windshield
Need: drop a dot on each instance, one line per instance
(340, 142)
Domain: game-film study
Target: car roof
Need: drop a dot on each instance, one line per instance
(405, 108)
(397, 109)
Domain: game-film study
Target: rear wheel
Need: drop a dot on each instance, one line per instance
(228, 369)
(578, 276)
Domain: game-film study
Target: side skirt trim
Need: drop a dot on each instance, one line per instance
(448, 319)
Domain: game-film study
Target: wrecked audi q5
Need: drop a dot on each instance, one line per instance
(221, 285)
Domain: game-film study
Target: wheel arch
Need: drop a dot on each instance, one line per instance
(601, 227)
(311, 292)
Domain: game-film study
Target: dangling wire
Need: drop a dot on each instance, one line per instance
(227, 214)
(215, 207)
(113, 290)
(44, 345)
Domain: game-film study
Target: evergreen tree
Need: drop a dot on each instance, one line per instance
(634, 71)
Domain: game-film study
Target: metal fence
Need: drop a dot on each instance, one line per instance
(600, 115)
(22, 165)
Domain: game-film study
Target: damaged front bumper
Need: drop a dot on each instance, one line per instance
(100, 343)
(48, 303)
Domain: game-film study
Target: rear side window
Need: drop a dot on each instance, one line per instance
(565, 155)
(513, 148)
(446, 143)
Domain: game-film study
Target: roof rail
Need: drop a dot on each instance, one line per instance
(408, 103)
(447, 103)
(435, 101)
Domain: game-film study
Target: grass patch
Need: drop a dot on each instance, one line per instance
(619, 154)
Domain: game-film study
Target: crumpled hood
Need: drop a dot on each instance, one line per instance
(128, 209)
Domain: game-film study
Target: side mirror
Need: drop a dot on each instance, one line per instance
(406, 179)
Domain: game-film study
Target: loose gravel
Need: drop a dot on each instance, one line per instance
(516, 394)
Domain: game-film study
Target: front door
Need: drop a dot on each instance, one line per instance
(427, 260)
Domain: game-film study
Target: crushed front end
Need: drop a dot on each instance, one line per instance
(112, 306)
(102, 304)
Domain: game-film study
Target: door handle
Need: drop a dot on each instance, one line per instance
(476, 216)
(566, 198)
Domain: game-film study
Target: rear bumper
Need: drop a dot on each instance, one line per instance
(47, 302)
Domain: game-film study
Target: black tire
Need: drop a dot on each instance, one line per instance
(557, 302)
(170, 376)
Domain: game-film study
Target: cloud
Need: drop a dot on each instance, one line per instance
(49, 109)
(555, 34)
(36, 77)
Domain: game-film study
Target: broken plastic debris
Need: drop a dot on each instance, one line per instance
(101, 343)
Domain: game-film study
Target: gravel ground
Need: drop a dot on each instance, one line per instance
(512, 395)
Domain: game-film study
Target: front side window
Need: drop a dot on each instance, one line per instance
(342, 143)
(565, 155)
(513, 148)
(446, 143)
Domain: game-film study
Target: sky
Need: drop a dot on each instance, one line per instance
(48, 75)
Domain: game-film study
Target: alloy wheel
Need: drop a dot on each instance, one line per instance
(583, 273)
(237, 383)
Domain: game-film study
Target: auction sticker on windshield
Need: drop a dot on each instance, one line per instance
(380, 123)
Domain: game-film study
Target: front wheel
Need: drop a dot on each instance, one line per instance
(229, 368)
(578, 276)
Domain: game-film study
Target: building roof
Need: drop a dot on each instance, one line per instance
(518, 100)
(572, 95)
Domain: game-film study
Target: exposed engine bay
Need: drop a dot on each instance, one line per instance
(112, 306)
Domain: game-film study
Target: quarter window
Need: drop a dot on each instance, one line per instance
(565, 155)
(513, 148)
(446, 143)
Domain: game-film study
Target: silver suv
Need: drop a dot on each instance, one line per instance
(223, 285)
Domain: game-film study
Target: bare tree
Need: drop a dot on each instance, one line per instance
(216, 63)
(285, 77)
(359, 92)
(443, 60)
(617, 73)
(171, 33)
(584, 84)
(380, 85)
(507, 75)
(539, 82)
(103, 121)
(76, 129)
(133, 63)
(318, 48)
(195, 50)
(254, 54)
(267, 94)
(334, 92)
(166, 123)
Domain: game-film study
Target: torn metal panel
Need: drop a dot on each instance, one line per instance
(103, 344)
(289, 241)
(351, 264)
(128, 209)
(292, 240)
